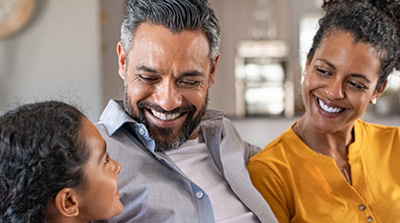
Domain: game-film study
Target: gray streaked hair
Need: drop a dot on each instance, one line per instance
(176, 15)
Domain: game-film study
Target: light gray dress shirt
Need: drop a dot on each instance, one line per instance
(154, 190)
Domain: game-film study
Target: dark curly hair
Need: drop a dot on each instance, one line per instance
(176, 15)
(40, 153)
(374, 22)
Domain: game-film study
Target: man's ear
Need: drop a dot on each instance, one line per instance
(66, 202)
(212, 71)
(121, 60)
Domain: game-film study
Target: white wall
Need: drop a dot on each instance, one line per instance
(56, 57)
(236, 17)
(68, 52)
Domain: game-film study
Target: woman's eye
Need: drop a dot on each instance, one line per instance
(356, 85)
(322, 71)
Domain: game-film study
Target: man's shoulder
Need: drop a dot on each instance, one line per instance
(215, 119)
(213, 114)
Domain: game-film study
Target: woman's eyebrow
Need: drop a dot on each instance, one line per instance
(361, 76)
(327, 62)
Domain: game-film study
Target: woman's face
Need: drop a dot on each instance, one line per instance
(99, 198)
(339, 82)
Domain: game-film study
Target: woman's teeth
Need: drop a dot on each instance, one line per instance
(165, 117)
(326, 108)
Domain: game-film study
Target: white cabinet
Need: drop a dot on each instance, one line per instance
(261, 81)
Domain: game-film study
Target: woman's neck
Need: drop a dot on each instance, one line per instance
(333, 144)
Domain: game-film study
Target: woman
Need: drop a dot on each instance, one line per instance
(330, 166)
(54, 167)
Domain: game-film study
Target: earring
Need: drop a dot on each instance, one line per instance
(374, 101)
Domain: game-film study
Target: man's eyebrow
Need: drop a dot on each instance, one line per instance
(146, 69)
(192, 73)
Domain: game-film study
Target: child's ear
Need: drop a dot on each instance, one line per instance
(66, 202)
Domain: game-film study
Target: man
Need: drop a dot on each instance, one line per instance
(181, 162)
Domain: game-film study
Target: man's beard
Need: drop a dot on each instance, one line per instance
(166, 139)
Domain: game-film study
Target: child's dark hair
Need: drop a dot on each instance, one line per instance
(41, 152)
(374, 22)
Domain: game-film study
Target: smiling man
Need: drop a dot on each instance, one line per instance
(181, 161)
(166, 82)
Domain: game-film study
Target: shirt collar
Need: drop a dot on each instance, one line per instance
(114, 116)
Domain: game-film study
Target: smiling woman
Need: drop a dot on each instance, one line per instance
(330, 166)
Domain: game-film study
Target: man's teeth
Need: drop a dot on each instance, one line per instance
(329, 109)
(165, 117)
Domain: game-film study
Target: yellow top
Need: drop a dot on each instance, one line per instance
(301, 185)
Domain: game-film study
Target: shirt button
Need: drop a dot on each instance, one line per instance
(362, 207)
(199, 194)
(141, 131)
(370, 219)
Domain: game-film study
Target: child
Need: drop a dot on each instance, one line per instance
(54, 167)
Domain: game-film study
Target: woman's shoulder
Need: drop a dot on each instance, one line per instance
(279, 147)
(377, 132)
(370, 126)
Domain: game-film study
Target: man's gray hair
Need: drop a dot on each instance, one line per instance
(176, 15)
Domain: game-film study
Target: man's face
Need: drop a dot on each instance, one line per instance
(166, 78)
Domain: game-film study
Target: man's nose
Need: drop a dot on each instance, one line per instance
(168, 96)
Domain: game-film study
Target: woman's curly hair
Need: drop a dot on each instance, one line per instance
(374, 22)
(40, 153)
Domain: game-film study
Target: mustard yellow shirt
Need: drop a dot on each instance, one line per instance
(301, 185)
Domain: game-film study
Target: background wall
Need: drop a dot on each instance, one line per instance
(235, 17)
(237, 21)
(57, 56)
(68, 52)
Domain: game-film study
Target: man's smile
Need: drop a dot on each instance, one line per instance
(165, 116)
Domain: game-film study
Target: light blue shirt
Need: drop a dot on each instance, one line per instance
(153, 189)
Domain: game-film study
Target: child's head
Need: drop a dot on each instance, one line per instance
(53, 166)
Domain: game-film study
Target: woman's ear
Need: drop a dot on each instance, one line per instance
(66, 202)
(380, 90)
(378, 93)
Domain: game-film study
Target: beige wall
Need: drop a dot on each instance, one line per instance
(112, 13)
(56, 57)
(236, 19)
(68, 52)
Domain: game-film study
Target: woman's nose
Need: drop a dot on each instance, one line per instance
(334, 90)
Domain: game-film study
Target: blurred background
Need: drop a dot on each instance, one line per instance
(65, 50)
